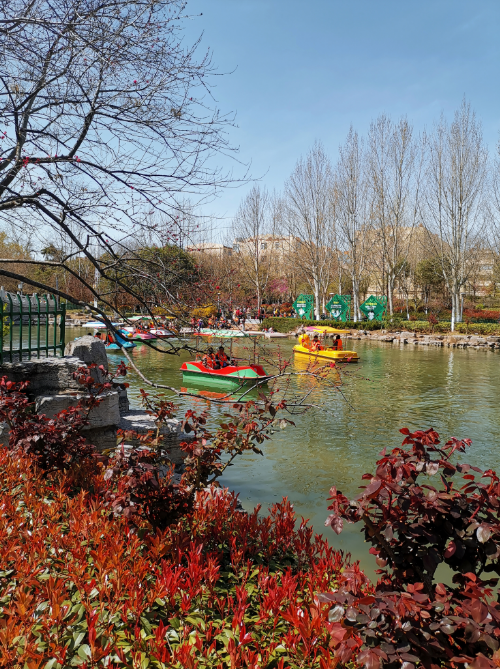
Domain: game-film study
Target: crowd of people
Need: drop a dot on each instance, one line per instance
(238, 317)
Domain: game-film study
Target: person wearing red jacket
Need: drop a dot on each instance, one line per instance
(208, 359)
(222, 358)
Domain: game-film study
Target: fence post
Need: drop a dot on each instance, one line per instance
(11, 320)
(63, 328)
(38, 325)
(55, 324)
(29, 327)
(20, 300)
(47, 326)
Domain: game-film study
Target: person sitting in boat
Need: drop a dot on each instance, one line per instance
(337, 343)
(209, 360)
(316, 344)
(222, 358)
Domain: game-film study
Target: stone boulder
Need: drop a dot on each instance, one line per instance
(141, 422)
(105, 414)
(46, 376)
(89, 350)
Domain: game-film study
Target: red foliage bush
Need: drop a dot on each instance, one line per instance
(52, 443)
(108, 563)
(413, 527)
(481, 316)
(220, 588)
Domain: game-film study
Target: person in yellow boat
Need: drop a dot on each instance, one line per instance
(304, 340)
(316, 344)
(337, 344)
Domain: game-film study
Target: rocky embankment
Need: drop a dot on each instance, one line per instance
(488, 343)
(53, 388)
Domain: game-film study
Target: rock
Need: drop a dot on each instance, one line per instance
(4, 434)
(89, 350)
(102, 438)
(105, 414)
(141, 422)
(45, 375)
(123, 403)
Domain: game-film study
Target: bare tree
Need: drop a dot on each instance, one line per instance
(309, 221)
(456, 174)
(254, 229)
(494, 206)
(107, 123)
(350, 194)
(393, 173)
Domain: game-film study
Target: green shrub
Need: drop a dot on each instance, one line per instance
(392, 324)
(478, 328)
(289, 324)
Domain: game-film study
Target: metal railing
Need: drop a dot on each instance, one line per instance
(28, 318)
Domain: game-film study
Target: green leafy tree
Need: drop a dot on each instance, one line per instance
(158, 275)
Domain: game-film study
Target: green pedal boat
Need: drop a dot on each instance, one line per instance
(227, 377)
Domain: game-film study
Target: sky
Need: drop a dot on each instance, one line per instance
(301, 71)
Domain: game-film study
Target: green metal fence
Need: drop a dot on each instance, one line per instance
(28, 318)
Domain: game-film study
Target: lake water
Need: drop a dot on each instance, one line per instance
(455, 391)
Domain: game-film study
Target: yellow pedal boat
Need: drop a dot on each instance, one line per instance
(327, 354)
(302, 348)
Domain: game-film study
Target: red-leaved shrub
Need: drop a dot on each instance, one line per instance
(220, 588)
(481, 316)
(415, 526)
(107, 562)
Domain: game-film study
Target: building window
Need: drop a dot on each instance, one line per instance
(486, 268)
(263, 246)
(236, 248)
(277, 245)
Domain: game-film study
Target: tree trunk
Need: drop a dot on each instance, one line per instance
(316, 299)
(355, 298)
(390, 290)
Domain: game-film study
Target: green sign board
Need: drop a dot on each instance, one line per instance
(374, 308)
(304, 306)
(339, 307)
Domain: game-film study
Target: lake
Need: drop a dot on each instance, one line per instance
(455, 391)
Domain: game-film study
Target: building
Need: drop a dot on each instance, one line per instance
(209, 248)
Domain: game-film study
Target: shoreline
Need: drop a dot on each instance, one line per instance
(451, 340)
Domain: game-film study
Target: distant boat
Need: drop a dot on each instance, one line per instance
(115, 342)
(137, 335)
(99, 325)
(219, 334)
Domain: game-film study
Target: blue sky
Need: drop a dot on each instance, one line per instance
(307, 70)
